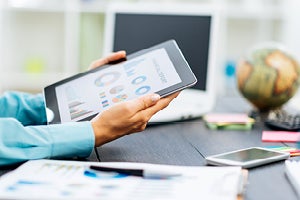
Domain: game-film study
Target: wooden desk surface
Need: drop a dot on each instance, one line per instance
(187, 143)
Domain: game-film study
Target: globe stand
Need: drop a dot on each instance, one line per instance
(262, 116)
(257, 115)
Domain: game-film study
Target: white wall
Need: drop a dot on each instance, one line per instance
(49, 32)
(291, 36)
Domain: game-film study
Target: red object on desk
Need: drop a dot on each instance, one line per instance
(280, 136)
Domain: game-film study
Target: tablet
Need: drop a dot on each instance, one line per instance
(247, 158)
(159, 69)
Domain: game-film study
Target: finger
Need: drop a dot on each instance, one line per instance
(161, 104)
(174, 95)
(144, 102)
(112, 57)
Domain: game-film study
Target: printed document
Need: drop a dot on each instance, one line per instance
(54, 179)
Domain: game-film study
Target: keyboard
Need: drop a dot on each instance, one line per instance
(282, 120)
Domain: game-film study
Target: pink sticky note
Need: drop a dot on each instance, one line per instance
(280, 136)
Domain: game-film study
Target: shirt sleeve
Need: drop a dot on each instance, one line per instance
(19, 143)
(27, 108)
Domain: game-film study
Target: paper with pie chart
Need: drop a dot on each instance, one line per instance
(91, 94)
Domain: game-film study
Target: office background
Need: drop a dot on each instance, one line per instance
(43, 41)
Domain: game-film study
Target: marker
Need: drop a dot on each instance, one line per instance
(295, 151)
(294, 154)
(145, 173)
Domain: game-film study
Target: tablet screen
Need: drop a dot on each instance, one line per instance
(98, 90)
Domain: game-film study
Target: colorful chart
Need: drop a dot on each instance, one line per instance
(132, 64)
(143, 90)
(120, 98)
(78, 113)
(74, 104)
(138, 80)
(107, 79)
(105, 103)
(102, 95)
(116, 89)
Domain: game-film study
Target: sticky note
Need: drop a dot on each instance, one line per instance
(280, 136)
(227, 118)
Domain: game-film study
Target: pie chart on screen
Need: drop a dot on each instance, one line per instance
(117, 89)
(119, 98)
(107, 78)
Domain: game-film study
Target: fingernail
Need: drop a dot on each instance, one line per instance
(155, 97)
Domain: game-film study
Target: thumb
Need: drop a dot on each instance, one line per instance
(145, 102)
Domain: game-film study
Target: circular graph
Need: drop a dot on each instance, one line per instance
(138, 80)
(107, 79)
(142, 90)
(116, 89)
(119, 98)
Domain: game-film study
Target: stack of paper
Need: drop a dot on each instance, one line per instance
(292, 169)
(228, 121)
(49, 179)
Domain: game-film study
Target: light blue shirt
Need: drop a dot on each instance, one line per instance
(24, 134)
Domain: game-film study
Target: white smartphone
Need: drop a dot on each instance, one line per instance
(248, 157)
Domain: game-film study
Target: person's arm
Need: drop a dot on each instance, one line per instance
(19, 143)
(127, 117)
(29, 109)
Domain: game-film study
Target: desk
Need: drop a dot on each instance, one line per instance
(187, 143)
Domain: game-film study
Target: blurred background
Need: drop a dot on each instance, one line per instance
(43, 41)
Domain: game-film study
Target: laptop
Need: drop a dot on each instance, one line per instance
(133, 27)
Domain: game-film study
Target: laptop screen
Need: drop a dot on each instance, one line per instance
(135, 31)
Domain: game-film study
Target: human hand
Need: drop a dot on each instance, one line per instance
(127, 117)
(110, 58)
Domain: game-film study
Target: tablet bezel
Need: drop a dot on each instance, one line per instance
(181, 66)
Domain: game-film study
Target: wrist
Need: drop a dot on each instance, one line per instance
(101, 134)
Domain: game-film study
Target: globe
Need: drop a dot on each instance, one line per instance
(268, 76)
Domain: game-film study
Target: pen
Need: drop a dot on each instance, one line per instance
(145, 173)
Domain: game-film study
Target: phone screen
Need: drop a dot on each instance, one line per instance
(248, 155)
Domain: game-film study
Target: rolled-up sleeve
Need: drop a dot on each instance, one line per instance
(29, 109)
(19, 143)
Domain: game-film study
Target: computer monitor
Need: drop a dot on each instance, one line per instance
(134, 27)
